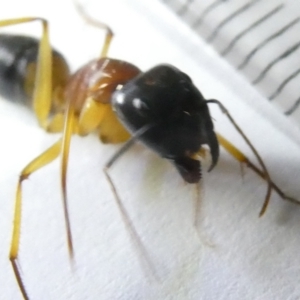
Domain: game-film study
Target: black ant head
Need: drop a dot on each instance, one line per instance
(167, 98)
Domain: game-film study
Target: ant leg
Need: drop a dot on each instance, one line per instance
(198, 188)
(70, 123)
(238, 155)
(41, 106)
(56, 123)
(42, 160)
(142, 252)
(266, 173)
(43, 84)
(101, 117)
(109, 34)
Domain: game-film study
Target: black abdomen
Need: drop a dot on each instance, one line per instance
(16, 52)
(18, 57)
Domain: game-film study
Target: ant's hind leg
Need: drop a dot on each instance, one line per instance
(43, 84)
(42, 160)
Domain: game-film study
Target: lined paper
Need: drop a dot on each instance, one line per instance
(260, 38)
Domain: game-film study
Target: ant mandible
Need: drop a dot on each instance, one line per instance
(162, 108)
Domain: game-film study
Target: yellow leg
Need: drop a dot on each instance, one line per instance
(56, 123)
(109, 34)
(69, 129)
(45, 158)
(68, 125)
(100, 116)
(238, 155)
(43, 84)
(91, 116)
(111, 130)
(41, 105)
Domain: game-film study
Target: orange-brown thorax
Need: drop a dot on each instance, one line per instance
(88, 93)
(98, 79)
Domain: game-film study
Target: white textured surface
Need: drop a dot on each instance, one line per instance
(251, 258)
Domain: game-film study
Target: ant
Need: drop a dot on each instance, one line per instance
(161, 108)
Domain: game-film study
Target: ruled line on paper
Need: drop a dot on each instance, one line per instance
(266, 41)
(284, 83)
(234, 41)
(239, 11)
(206, 12)
(293, 108)
(275, 61)
(184, 7)
(266, 49)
